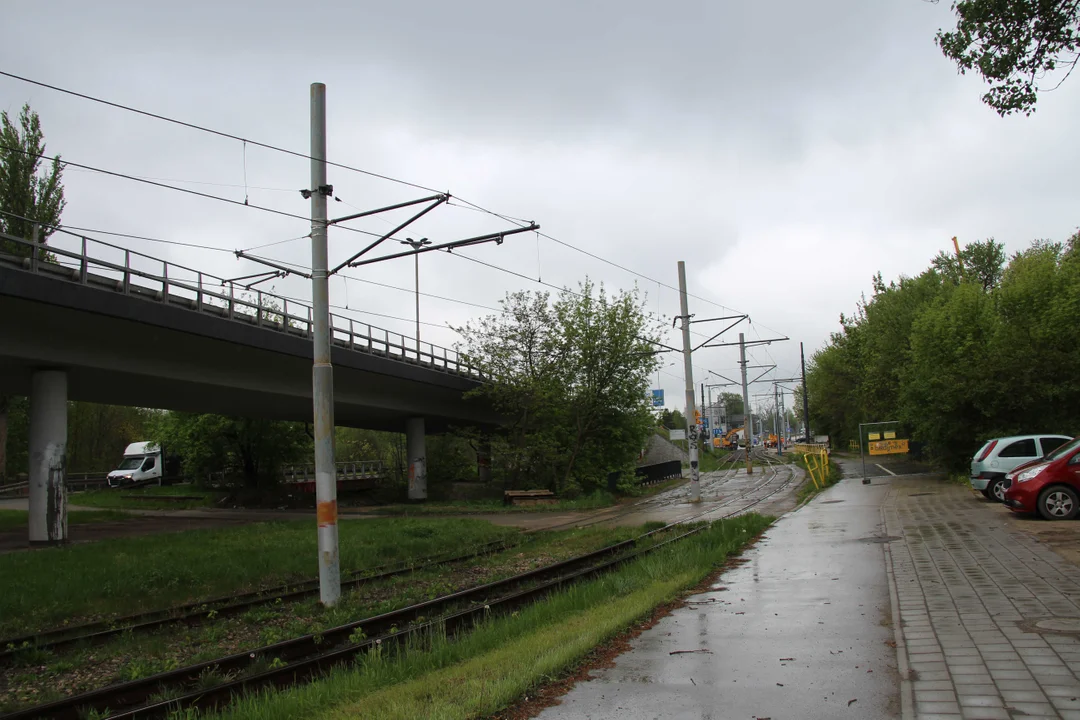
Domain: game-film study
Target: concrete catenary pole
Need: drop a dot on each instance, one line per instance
(779, 427)
(805, 397)
(704, 433)
(322, 375)
(48, 522)
(688, 372)
(748, 414)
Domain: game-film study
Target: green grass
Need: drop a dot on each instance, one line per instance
(807, 490)
(16, 519)
(596, 500)
(506, 656)
(712, 461)
(116, 577)
(132, 498)
(129, 656)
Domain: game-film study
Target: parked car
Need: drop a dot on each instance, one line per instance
(1050, 487)
(998, 457)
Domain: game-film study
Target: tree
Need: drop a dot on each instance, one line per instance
(958, 359)
(982, 262)
(27, 196)
(98, 434)
(254, 448)
(1014, 44)
(672, 420)
(571, 378)
(24, 193)
(732, 403)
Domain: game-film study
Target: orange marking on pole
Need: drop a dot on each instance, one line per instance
(327, 513)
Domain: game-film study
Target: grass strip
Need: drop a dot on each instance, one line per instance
(108, 578)
(506, 656)
(713, 460)
(151, 497)
(16, 519)
(36, 673)
(593, 501)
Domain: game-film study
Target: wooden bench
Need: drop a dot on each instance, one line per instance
(529, 497)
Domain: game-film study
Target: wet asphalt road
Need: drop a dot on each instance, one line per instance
(801, 630)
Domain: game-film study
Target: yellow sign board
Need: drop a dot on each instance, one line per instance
(890, 435)
(888, 447)
(873, 436)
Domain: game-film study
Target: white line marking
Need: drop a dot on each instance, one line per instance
(886, 470)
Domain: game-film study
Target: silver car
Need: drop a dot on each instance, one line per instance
(1000, 455)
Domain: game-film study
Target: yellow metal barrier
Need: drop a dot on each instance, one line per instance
(817, 464)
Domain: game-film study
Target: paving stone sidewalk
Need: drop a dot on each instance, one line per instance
(990, 617)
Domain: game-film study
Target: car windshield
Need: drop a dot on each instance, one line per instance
(1064, 449)
(130, 463)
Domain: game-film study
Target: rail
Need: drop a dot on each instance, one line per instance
(73, 481)
(94, 263)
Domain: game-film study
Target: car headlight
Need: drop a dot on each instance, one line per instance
(1030, 473)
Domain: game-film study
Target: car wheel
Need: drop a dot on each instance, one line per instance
(986, 493)
(996, 490)
(1059, 503)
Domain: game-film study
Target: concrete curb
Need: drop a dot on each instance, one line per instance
(907, 690)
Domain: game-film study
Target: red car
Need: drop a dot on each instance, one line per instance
(1050, 486)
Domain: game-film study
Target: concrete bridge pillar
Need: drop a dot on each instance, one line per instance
(483, 461)
(48, 457)
(417, 454)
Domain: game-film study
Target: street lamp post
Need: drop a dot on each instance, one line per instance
(416, 245)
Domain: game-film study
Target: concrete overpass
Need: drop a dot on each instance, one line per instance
(104, 324)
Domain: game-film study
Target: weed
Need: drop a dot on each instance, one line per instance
(211, 677)
(28, 656)
(58, 667)
(135, 670)
(166, 693)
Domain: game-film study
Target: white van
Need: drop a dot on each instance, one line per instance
(142, 461)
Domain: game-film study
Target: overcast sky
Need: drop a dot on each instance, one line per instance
(785, 150)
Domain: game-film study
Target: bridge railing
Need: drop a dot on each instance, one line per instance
(99, 264)
(364, 469)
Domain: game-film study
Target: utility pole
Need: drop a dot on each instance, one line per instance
(779, 429)
(416, 245)
(322, 375)
(704, 408)
(748, 420)
(688, 372)
(805, 397)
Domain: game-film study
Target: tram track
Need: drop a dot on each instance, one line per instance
(99, 632)
(300, 659)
